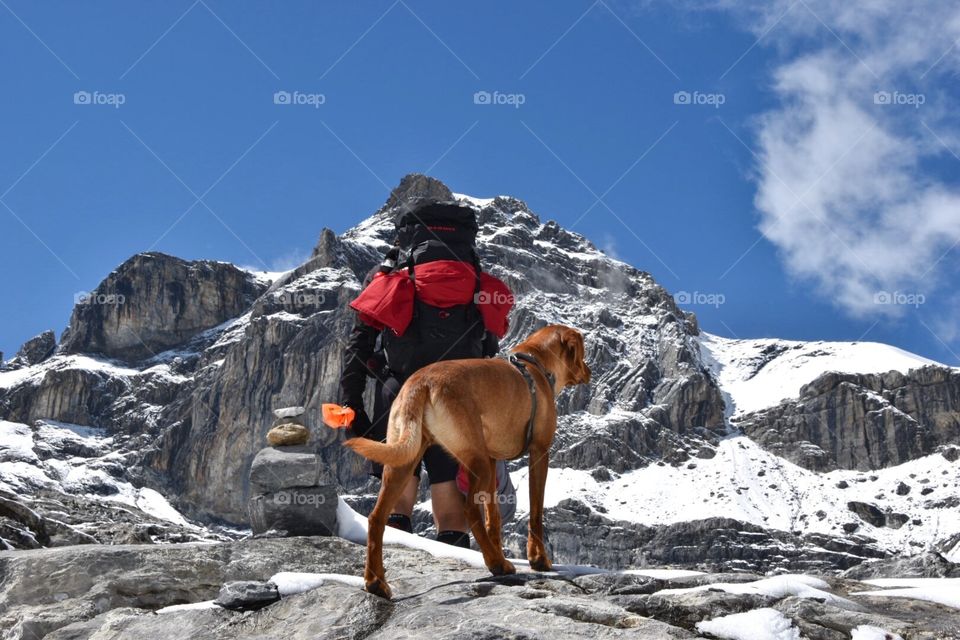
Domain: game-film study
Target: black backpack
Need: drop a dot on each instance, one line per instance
(428, 232)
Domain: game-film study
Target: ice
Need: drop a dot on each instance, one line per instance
(759, 624)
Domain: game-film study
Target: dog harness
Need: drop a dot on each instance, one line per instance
(520, 360)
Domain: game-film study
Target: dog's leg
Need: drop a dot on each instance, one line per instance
(491, 514)
(536, 550)
(482, 486)
(394, 481)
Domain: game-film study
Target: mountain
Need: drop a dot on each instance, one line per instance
(141, 422)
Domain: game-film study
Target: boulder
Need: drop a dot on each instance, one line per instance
(288, 434)
(274, 469)
(247, 595)
(290, 495)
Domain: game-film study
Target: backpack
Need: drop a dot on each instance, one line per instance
(429, 232)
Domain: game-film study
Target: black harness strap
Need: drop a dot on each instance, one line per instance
(519, 360)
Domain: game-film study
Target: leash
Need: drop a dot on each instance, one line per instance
(520, 360)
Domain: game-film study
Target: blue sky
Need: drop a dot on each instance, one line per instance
(784, 197)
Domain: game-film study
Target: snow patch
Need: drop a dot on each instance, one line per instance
(759, 624)
(784, 586)
(757, 374)
(945, 591)
(869, 632)
(192, 606)
(291, 582)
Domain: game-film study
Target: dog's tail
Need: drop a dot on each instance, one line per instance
(403, 432)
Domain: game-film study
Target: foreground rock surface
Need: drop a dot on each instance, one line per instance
(116, 592)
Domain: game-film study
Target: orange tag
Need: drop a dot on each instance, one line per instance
(337, 417)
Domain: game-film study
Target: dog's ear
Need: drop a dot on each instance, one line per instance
(573, 354)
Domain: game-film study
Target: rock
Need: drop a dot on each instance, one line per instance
(286, 468)
(153, 302)
(247, 595)
(100, 591)
(862, 421)
(289, 412)
(686, 609)
(868, 513)
(288, 434)
(289, 495)
(301, 511)
(896, 520)
(903, 489)
(952, 454)
(34, 351)
(819, 620)
(926, 565)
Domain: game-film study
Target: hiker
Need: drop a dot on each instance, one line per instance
(428, 301)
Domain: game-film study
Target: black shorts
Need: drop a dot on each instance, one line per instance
(440, 465)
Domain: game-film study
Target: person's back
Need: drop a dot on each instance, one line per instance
(429, 301)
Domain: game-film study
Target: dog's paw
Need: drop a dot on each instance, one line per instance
(541, 563)
(379, 587)
(503, 568)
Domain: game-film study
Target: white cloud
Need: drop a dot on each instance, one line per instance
(845, 188)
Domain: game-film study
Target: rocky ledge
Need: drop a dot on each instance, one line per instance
(127, 591)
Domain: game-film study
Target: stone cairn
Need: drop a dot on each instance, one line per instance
(290, 494)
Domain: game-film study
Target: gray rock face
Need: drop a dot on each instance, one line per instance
(153, 302)
(96, 591)
(860, 421)
(927, 565)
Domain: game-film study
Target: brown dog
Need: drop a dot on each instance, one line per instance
(479, 411)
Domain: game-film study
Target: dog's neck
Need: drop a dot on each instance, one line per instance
(549, 362)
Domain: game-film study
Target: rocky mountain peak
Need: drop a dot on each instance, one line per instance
(650, 430)
(417, 186)
(153, 302)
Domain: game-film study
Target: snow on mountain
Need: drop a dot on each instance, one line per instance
(747, 483)
(28, 464)
(756, 374)
(646, 443)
